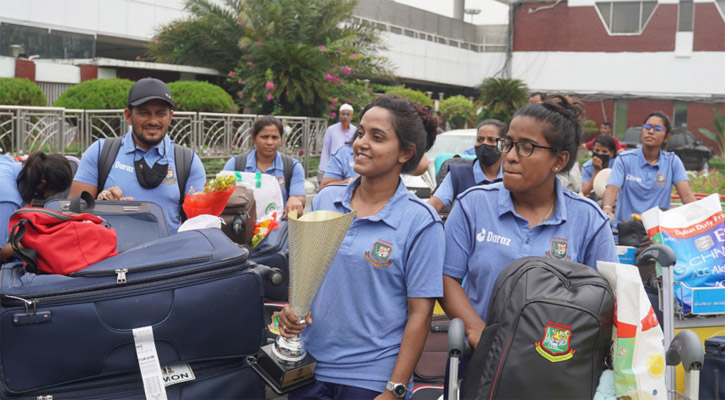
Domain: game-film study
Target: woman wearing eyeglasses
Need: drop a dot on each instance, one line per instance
(528, 214)
(642, 178)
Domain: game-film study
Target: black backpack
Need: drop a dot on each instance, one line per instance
(288, 164)
(548, 333)
(182, 156)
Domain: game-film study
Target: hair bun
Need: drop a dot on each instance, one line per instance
(430, 123)
(570, 107)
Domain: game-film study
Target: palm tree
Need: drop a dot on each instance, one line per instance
(501, 97)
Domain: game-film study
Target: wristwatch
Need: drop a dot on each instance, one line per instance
(398, 389)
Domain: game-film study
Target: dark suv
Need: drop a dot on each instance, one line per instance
(692, 152)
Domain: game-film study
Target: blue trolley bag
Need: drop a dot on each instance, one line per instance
(71, 336)
(712, 376)
(135, 222)
(273, 251)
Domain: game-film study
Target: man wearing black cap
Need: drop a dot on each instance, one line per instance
(143, 166)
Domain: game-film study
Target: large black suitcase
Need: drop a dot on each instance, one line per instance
(71, 336)
(273, 251)
(712, 376)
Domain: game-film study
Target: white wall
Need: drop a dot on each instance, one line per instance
(642, 74)
(60, 73)
(125, 18)
(7, 67)
(434, 62)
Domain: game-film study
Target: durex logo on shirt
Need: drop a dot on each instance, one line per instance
(122, 166)
(631, 177)
(489, 236)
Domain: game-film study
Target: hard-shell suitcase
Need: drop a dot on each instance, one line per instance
(431, 366)
(712, 375)
(196, 289)
(135, 222)
(273, 251)
(240, 215)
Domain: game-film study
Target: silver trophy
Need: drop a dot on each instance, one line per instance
(313, 243)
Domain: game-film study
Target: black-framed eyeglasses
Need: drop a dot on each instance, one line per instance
(523, 149)
(657, 128)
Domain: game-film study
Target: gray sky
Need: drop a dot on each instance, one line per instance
(492, 12)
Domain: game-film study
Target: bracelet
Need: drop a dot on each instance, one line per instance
(605, 207)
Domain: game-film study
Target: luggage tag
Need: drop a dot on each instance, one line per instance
(148, 362)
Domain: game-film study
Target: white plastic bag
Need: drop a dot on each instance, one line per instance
(267, 192)
(638, 351)
(202, 221)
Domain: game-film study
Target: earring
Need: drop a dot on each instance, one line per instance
(556, 169)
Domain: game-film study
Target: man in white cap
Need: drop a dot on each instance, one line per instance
(335, 137)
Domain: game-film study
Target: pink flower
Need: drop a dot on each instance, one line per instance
(239, 22)
(322, 48)
(251, 64)
(241, 82)
(138, 58)
(270, 97)
(261, 43)
(355, 55)
(346, 70)
(331, 107)
(269, 85)
(300, 152)
(240, 95)
(368, 90)
(334, 100)
(341, 50)
(232, 74)
(332, 115)
(331, 78)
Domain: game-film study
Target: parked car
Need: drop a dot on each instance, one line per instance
(692, 152)
(632, 137)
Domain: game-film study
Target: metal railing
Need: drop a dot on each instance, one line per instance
(210, 135)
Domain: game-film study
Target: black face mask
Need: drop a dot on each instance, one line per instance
(487, 155)
(604, 158)
(149, 177)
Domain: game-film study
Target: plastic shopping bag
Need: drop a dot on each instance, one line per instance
(696, 232)
(638, 351)
(267, 192)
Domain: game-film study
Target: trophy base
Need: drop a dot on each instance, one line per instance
(280, 375)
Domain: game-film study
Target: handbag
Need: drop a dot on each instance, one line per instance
(59, 243)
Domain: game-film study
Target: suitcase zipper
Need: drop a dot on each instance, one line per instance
(150, 267)
(207, 271)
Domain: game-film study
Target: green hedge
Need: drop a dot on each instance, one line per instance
(97, 94)
(21, 92)
(201, 97)
(411, 94)
(457, 110)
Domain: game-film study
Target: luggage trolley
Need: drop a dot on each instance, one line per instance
(706, 316)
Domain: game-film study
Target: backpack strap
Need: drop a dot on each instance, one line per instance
(288, 165)
(183, 156)
(240, 161)
(461, 177)
(28, 256)
(106, 158)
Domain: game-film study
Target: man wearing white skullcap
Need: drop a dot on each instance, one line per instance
(336, 136)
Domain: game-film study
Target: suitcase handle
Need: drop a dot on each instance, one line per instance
(75, 203)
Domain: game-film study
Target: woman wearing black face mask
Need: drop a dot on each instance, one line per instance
(604, 151)
(484, 170)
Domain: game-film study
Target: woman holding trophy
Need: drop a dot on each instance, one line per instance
(372, 312)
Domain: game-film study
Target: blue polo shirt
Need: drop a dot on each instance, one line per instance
(297, 186)
(10, 199)
(471, 151)
(341, 164)
(445, 194)
(642, 185)
(361, 309)
(587, 171)
(123, 175)
(484, 234)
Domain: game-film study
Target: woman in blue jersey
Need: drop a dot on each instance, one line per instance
(41, 175)
(642, 178)
(266, 158)
(604, 150)
(372, 313)
(528, 214)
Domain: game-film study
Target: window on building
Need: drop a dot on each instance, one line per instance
(685, 16)
(33, 40)
(70, 45)
(626, 17)
(680, 114)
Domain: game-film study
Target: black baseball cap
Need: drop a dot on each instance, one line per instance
(147, 89)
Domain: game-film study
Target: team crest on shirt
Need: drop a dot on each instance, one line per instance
(379, 256)
(660, 180)
(555, 346)
(170, 176)
(559, 249)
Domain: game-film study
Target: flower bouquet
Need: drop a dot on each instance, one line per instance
(213, 199)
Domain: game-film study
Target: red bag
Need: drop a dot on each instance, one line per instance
(212, 203)
(59, 243)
